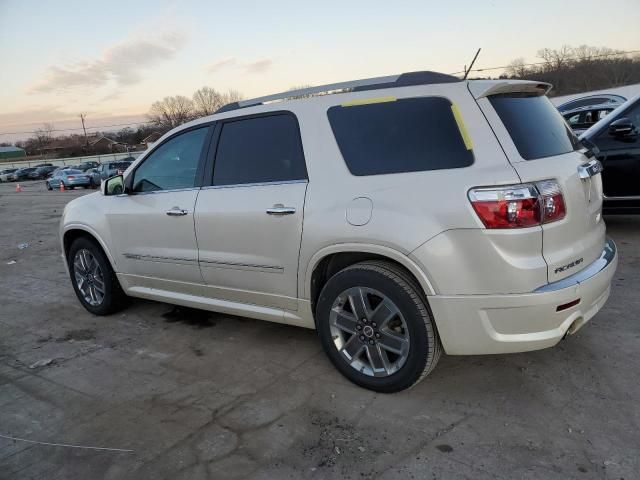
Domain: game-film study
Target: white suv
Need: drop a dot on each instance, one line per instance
(399, 216)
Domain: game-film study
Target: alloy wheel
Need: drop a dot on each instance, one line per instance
(369, 331)
(89, 277)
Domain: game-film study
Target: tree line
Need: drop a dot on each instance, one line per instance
(578, 69)
(170, 112)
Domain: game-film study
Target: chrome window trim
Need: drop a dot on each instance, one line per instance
(606, 257)
(186, 189)
(257, 184)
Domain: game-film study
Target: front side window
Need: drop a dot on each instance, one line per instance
(535, 126)
(404, 135)
(173, 164)
(259, 150)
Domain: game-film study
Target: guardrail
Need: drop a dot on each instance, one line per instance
(61, 162)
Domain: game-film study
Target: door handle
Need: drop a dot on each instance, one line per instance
(176, 212)
(279, 209)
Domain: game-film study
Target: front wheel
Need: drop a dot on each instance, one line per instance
(94, 281)
(49, 187)
(375, 326)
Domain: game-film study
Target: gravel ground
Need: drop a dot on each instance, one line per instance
(189, 394)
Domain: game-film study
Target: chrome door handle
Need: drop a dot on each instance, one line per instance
(176, 212)
(280, 209)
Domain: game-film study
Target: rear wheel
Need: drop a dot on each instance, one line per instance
(376, 328)
(94, 281)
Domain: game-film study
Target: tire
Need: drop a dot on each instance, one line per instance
(113, 299)
(412, 322)
(49, 187)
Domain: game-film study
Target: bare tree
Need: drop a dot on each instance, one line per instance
(172, 111)
(556, 59)
(43, 135)
(517, 68)
(208, 101)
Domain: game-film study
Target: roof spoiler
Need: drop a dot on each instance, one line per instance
(485, 88)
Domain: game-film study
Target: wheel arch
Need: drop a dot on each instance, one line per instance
(73, 232)
(330, 260)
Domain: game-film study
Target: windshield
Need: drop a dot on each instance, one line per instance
(535, 126)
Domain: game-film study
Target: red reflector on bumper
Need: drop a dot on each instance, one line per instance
(564, 306)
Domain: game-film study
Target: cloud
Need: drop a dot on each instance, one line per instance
(122, 63)
(220, 64)
(259, 66)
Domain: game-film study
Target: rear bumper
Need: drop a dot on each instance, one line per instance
(77, 183)
(484, 324)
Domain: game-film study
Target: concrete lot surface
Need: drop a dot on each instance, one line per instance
(196, 395)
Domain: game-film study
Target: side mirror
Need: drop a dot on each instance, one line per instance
(113, 186)
(622, 127)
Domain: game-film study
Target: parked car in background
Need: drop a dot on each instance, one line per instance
(84, 166)
(436, 215)
(6, 174)
(615, 141)
(109, 169)
(44, 165)
(22, 174)
(591, 101)
(42, 172)
(70, 178)
(582, 118)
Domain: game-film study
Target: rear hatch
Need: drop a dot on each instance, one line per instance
(540, 146)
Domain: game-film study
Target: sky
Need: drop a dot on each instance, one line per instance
(112, 60)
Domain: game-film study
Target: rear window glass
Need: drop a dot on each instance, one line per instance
(123, 165)
(535, 126)
(405, 135)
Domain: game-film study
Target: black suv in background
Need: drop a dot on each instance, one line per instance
(42, 172)
(84, 166)
(615, 140)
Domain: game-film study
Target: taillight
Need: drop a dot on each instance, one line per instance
(71, 178)
(518, 206)
(552, 201)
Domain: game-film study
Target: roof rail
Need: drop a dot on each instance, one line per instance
(390, 81)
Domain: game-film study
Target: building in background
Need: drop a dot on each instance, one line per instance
(11, 152)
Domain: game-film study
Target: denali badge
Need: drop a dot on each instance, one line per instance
(568, 265)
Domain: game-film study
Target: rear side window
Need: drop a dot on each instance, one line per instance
(404, 135)
(535, 126)
(259, 150)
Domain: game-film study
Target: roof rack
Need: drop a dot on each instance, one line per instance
(402, 80)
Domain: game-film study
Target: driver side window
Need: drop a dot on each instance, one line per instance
(173, 164)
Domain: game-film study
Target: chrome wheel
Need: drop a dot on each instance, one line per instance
(369, 331)
(89, 277)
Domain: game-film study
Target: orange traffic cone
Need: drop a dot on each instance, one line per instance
(62, 186)
(18, 188)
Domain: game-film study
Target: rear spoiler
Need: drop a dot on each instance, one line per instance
(485, 88)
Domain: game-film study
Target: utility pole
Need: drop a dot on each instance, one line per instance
(82, 116)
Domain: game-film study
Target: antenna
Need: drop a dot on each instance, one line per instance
(466, 72)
